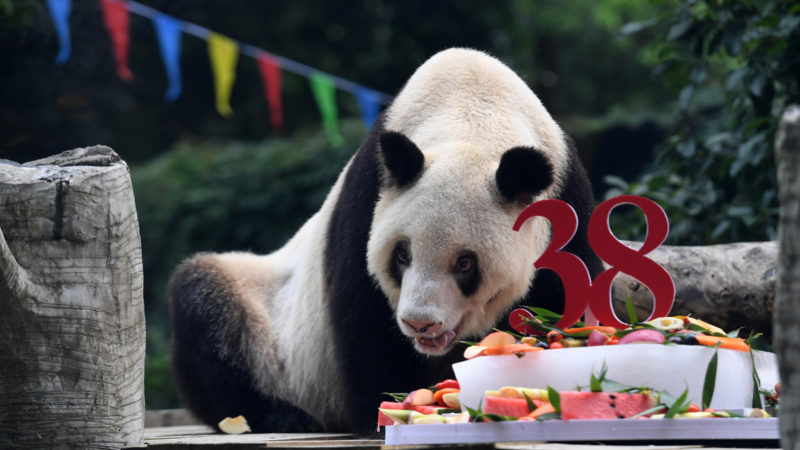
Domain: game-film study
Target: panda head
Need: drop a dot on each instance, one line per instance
(442, 246)
(468, 145)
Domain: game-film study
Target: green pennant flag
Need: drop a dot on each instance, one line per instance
(325, 94)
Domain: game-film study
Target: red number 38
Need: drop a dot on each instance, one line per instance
(581, 294)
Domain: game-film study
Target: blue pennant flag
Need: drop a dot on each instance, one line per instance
(370, 105)
(168, 30)
(59, 11)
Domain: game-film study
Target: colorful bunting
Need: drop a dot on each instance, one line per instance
(116, 20)
(59, 11)
(271, 75)
(224, 53)
(168, 31)
(369, 103)
(325, 95)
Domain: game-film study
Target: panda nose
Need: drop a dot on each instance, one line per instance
(423, 326)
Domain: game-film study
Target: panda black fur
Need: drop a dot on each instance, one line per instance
(411, 251)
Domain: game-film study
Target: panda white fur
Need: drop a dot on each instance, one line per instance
(412, 251)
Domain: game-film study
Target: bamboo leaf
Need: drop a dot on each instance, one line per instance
(681, 405)
(710, 381)
(555, 399)
(631, 311)
(531, 405)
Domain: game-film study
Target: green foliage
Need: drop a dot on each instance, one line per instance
(734, 66)
(219, 197)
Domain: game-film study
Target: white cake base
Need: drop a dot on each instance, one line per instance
(670, 368)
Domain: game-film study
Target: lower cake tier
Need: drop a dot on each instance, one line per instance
(672, 369)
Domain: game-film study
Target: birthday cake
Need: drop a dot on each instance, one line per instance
(678, 367)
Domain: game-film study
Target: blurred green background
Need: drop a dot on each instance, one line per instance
(675, 100)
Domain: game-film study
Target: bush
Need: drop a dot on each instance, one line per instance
(220, 197)
(734, 67)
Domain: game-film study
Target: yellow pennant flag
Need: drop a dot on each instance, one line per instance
(223, 53)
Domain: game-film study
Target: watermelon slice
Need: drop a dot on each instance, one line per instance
(602, 405)
(383, 419)
(506, 406)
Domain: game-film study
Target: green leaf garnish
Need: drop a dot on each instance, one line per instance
(681, 405)
(631, 311)
(531, 405)
(555, 399)
(711, 380)
(397, 396)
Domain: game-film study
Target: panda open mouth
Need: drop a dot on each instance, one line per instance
(436, 344)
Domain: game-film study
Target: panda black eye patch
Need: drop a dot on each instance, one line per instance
(400, 260)
(467, 274)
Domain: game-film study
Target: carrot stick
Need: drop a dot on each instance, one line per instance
(544, 409)
(439, 395)
(510, 348)
(724, 342)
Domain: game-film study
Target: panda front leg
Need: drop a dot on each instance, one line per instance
(211, 323)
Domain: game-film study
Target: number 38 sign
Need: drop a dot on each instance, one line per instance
(581, 293)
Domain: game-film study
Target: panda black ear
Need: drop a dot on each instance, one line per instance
(523, 173)
(402, 158)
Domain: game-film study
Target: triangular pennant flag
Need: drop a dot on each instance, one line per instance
(223, 52)
(369, 102)
(325, 95)
(169, 35)
(116, 18)
(59, 11)
(271, 76)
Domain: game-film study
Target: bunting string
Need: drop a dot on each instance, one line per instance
(223, 56)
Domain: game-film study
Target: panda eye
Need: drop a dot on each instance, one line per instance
(401, 256)
(465, 263)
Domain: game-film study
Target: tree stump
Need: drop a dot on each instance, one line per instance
(728, 285)
(787, 298)
(72, 331)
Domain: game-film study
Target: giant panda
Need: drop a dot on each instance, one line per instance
(411, 252)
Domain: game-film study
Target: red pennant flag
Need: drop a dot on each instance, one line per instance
(271, 75)
(116, 18)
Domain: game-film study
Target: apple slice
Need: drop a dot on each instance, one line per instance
(473, 351)
(497, 339)
(234, 425)
(420, 397)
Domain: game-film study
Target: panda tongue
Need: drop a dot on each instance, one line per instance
(441, 340)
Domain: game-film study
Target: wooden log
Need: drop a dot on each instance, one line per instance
(72, 334)
(728, 285)
(787, 298)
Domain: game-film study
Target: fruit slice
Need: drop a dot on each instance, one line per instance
(473, 351)
(666, 323)
(521, 392)
(602, 405)
(711, 328)
(422, 419)
(643, 336)
(234, 425)
(510, 348)
(383, 419)
(438, 397)
(497, 339)
(393, 416)
(452, 400)
(420, 397)
(506, 406)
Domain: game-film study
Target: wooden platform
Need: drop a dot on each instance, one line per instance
(199, 436)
